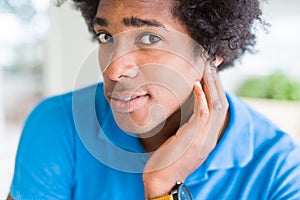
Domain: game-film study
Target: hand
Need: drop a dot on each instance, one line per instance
(185, 151)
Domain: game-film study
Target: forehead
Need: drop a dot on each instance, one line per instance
(143, 4)
(115, 11)
(119, 7)
(158, 8)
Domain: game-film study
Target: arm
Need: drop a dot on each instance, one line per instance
(192, 143)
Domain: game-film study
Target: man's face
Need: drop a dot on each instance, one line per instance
(148, 62)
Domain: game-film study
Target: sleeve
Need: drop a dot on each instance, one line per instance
(287, 182)
(45, 161)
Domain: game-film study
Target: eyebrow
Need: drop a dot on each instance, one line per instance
(100, 21)
(132, 21)
(137, 22)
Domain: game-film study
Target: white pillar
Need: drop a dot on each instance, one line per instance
(68, 45)
(2, 124)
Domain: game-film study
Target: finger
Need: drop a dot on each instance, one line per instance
(218, 103)
(200, 103)
(220, 89)
(196, 124)
(213, 88)
(218, 97)
(192, 131)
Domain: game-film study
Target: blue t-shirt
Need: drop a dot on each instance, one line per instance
(71, 148)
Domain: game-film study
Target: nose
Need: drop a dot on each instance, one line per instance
(119, 60)
(122, 67)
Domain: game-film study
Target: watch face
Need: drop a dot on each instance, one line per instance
(184, 193)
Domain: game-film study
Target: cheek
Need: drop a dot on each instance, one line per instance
(168, 90)
(175, 77)
(169, 101)
(105, 56)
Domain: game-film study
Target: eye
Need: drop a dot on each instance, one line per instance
(148, 39)
(104, 38)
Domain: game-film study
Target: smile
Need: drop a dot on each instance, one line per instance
(128, 103)
(128, 98)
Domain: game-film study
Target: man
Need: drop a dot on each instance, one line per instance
(160, 126)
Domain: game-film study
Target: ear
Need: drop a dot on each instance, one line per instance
(218, 61)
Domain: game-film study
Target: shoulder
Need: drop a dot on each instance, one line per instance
(52, 123)
(274, 154)
(60, 109)
(46, 155)
(259, 134)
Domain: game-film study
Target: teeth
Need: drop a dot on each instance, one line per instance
(129, 98)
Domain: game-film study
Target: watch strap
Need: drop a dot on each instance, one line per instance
(167, 197)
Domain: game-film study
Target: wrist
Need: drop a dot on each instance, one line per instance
(156, 187)
(179, 191)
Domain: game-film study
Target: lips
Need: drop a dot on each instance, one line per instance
(125, 102)
(125, 98)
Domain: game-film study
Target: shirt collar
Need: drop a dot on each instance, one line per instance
(236, 147)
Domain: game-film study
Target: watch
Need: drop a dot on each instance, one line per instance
(179, 192)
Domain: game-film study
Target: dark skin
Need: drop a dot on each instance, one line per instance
(175, 144)
(184, 136)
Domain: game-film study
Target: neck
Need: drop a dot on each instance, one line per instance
(171, 125)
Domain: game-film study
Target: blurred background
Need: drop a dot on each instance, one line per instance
(42, 49)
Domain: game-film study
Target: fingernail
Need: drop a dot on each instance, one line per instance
(198, 84)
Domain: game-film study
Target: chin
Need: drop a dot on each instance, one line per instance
(140, 126)
(139, 131)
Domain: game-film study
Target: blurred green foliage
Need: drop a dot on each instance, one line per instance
(277, 86)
